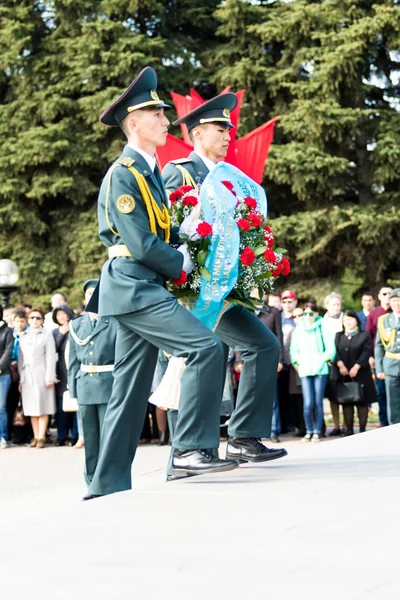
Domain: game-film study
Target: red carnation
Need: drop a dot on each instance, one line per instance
(185, 188)
(269, 242)
(254, 220)
(267, 228)
(204, 229)
(189, 201)
(277, 271)
(243, 224)
(174, 196)
(248, 257)
(182, 279)
(270, 256)
(250, 202)
(286, 266)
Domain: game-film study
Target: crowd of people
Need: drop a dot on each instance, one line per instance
(317, 353)
(322, 351)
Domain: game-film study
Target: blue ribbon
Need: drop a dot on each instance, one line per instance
(218, 206)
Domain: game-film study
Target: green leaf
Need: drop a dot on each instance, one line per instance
(260, 250)
(202, 257)
(205, 273)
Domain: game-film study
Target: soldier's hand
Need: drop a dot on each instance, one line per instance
(189, 226)
(371, 361)
(188, 264)
(380, 375)
(280, 367)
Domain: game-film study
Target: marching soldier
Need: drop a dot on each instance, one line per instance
(387, 355)
(90, 373)
(209, 126)
(134, 226)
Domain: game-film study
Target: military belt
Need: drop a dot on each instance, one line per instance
(118, 250)
(97, 368)
(395, 355)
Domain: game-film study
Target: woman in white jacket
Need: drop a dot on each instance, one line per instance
(37, 368)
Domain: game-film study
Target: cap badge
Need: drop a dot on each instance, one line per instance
(154, 95)
(125, 204)
(226, 112)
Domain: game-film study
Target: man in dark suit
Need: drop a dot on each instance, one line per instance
(134, 226)
(209, 126)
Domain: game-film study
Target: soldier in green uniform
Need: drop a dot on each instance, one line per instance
(387, 355)
(209, 126)
(90, 373)
(134, 226)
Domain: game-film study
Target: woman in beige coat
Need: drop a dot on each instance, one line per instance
(37, 368)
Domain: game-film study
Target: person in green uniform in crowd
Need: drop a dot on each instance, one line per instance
(134, 225)
(209, 126)
(387, 355)
(91, 354)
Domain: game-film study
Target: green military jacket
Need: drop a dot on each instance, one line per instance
(387, 344)
(173, 176)
(131, 283)
(91, 346)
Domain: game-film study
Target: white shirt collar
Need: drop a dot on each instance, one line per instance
(209, 163)
(151, 160)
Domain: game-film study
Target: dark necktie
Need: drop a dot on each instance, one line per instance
(159, 180)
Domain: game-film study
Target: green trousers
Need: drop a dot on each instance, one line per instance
(92, 416)
(243, 331)
(140, 334)
(392, 384)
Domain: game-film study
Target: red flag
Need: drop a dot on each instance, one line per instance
(251, 150)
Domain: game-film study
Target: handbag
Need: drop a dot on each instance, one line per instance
(69, 404)
(349, 392)
(19, 419)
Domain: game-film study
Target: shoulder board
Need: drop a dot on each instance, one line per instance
(127, 161)
(180, 161)
(382, 318)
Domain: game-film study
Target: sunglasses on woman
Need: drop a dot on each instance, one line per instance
(309, 314)
(35, 317)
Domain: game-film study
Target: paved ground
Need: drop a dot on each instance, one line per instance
(321, 522)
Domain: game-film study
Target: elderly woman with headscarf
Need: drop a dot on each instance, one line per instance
(62, 315)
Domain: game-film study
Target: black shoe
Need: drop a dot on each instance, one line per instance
(73, 441)
(347, 432)
(163, 439)
(179, 475)
(91, 497)
(60, 443)
(251, 450)
(335, 432)
(196, 462)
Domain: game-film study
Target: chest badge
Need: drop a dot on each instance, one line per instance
(125, 204)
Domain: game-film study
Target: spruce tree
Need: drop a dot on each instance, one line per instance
(330, 69)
